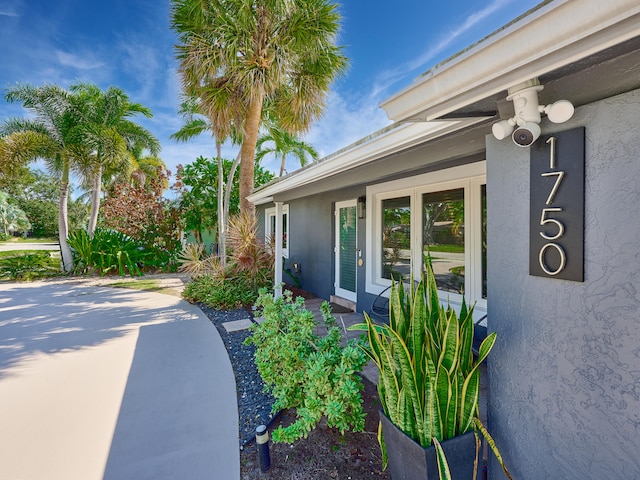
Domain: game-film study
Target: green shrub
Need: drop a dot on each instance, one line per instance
(223, 293)
(107, 252)
(28, 266)
(315, 375)
(250, 268)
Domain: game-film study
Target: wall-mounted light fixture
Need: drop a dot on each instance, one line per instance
(362, 207)
(524, 127)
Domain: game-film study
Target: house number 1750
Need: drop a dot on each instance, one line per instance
(554, 227)
(556, 206)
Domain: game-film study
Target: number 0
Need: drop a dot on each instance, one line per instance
(563, 259)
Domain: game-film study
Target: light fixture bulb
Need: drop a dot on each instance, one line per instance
(502, 129)
(560, 111)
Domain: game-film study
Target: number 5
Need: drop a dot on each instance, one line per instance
(544, 220)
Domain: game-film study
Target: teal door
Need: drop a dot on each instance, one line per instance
(346, 250)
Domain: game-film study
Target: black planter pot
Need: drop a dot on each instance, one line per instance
(408, 460)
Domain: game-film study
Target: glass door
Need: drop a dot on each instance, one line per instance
(346, 249)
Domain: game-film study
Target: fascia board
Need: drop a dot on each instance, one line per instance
(400, 138)
(556, 34)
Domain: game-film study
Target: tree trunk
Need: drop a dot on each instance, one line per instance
(63, 224)
(227, 202)
(95, 201)
(284, 159)
(221, 186)
(248, 151)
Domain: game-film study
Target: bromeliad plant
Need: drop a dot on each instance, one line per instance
(429, 380)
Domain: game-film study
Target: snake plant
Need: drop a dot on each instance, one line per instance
(429, 379)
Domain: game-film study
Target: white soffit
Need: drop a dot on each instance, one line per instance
(554, 35)
(388, 141)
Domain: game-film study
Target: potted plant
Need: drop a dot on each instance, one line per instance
(429, 382)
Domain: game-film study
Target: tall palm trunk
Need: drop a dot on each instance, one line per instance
(221, 186)
(95, 200)
(248, 150)
(63, 223)
(284, 159)
(227, 202)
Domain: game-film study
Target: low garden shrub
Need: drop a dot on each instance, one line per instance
(224, 293)
(236, 284)
(28, 265)
(315, 375)
(109, 251)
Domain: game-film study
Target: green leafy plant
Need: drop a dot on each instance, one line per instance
(108, 251)
(28, 266)
(249, 269)
(429, 380)
(315, 375)
(223, 293)
(194, 261)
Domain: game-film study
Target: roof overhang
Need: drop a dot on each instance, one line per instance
(392, 139)
(550, 36)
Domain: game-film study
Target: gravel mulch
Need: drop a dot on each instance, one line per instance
(254, 405)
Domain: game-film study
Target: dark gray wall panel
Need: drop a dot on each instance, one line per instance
(564, 376)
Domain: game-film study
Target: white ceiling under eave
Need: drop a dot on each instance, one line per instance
(549, 37)
(395, 138)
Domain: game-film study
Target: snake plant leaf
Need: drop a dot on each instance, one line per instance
(485, 347)
(443, 467)
(469, 397)
(492, 444)
(466, 337)
(450, 343)
(409, 382)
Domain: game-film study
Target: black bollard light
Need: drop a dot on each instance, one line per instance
(262, 440)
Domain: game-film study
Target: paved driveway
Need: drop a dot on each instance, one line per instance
(105, 383)
(10, 246)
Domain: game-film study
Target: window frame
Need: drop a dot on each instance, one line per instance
(471, 177)
(270, 213)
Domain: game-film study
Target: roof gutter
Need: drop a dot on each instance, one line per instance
(385, 142)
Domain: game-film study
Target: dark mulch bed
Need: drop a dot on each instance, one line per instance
(254, 405)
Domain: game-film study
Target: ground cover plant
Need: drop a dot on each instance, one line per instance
(27, 265)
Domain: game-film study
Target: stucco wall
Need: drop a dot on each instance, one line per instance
(564, 376)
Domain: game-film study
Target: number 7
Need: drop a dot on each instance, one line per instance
(556, 185)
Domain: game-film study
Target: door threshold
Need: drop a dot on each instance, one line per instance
(343, 302)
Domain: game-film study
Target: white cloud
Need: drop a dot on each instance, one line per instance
(81, 61)
(9, 8)
(389, 77)
(346, 120)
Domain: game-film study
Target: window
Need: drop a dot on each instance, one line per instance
(270, 228)
(441, 213)
(443, 237)
(396, 238)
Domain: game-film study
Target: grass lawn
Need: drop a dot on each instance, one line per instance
(446, 248)
(150, 285)
(32, 240)
(28, 264)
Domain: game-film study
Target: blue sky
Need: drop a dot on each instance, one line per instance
(128, 43)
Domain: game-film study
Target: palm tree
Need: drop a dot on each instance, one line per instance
(52, 135)
(281, 143)
(196, 123)
(240, 57)
(110, 136)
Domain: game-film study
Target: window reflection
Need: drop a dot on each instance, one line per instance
(443, 237)
(396, 238)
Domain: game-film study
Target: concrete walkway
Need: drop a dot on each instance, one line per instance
(116, 384)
